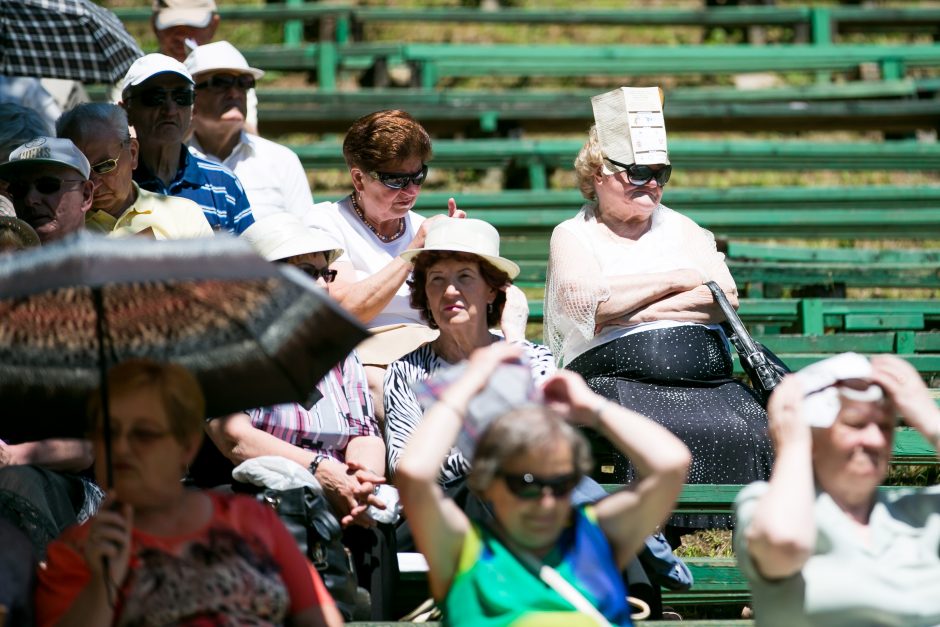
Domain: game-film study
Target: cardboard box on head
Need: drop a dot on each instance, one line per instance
(630, 125)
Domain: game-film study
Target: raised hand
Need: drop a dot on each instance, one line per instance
(109, 538)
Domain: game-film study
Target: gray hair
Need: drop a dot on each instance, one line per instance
(523, 430)
(18, 125)
(589, 162)
(77, 122)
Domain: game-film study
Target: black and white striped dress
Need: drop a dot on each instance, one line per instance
(403, 412)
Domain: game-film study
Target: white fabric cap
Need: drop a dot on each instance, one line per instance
(149, 66)
(195, 13)
(275, 472)
(821, 403)
(219, 55)
(465, 235)
(47, 150)
(284, 235)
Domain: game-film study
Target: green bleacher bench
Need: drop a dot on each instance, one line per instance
(819, 23)
(538, 157)
(890, 106)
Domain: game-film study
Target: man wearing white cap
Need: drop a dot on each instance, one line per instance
(158, 96)
(176, 21)
(47, 178)
(272, 175)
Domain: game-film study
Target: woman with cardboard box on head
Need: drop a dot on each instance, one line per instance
(625, 304)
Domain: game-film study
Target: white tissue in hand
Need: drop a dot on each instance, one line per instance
(821, 402)
(389, 496)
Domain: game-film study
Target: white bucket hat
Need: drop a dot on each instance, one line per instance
(284, 235)
(219, 55)
(821, 402)
(465, 235)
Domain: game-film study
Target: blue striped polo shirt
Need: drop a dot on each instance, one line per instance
(213, 187)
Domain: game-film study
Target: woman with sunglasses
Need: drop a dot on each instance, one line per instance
(625, 307)
(337, 438)
(540, 559)
(387, 154)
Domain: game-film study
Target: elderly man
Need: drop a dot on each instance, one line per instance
(120, 207)
(272, 175)
(181, 24)
(158, 96)
(176, 21)
(47, 178)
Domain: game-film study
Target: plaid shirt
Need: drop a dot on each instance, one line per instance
(345, 412)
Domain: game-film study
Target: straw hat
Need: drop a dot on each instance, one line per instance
(465, 235)
(284, 235)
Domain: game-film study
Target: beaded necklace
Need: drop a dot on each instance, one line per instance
(383, 238)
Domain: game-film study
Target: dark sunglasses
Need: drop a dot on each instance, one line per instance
(227, 81)
(44, 185)
(157, 97)
(315, 273)
(643, 174)
(529, 487)
(400, 180)
(108, 165)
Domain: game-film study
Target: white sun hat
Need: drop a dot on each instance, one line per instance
(284, 235)
(217, 56)
(465, 235)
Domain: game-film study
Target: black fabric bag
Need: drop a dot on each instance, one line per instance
(762, 366)
(307, 516)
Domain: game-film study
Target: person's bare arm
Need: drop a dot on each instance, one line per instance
(437, 524)
(695, 305)
(782, 533)
(239, 440)
(366, 298)
(62, 454)
(660, 458)
(906, 390)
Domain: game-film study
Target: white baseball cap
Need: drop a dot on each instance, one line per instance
(465, 235)
(219, 55)
(195, 13)
(282, 235)
(150, 65)
(53, 150)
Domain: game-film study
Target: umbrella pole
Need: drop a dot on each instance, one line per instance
(101, 326)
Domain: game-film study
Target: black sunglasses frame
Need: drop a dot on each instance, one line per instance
(643, 174)
(45, 185)
(315, 273)
(401, 180)
(157, 97)
(227, 81)
(529, 487)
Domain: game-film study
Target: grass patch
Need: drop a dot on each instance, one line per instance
(707, 543)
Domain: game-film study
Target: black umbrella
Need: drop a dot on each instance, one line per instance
(253, 333)
(71, 39)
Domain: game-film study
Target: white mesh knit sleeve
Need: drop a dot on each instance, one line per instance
(574, 285)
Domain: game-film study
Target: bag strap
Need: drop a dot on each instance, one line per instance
(550, 577)
(748, 350)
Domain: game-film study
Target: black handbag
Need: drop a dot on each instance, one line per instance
(764, 369)
(308, 517)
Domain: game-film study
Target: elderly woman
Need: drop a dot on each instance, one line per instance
(159, 553)
(338, 437)
(460, 285)
(625, 307)
(819, 544)
(525, 466)
(387, 154)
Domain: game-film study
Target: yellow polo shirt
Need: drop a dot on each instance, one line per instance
(166, 217)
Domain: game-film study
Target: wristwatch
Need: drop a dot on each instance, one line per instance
(316, 463)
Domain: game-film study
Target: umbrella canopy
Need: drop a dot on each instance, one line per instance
(71, 39)
(252, 332)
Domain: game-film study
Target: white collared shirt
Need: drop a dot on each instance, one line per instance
(272, 175)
